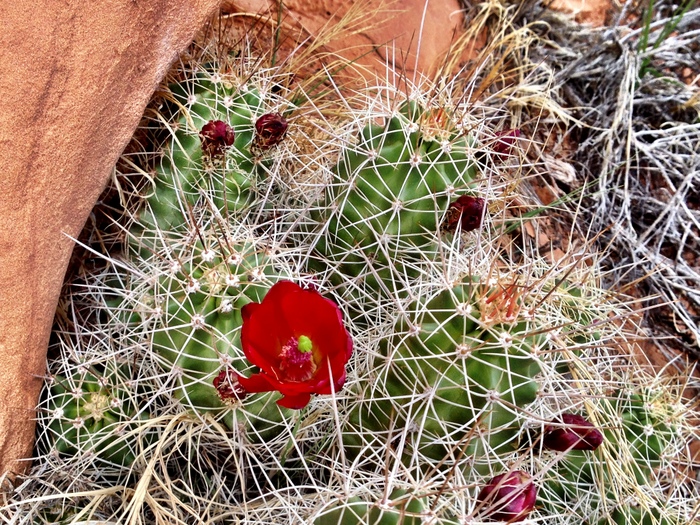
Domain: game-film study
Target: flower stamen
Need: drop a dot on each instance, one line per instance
(296, 359)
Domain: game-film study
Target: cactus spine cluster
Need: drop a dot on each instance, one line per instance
(94, 411)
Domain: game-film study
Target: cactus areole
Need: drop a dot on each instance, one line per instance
(297, 339)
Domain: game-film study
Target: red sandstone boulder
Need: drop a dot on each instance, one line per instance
(76, 78)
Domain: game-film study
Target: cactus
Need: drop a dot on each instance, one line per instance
(391, 190)
(400, 508)
(202, 166)
(646, 431)
(196, 328)
(634, 515)
(204, 270)
(198, 325)
(96, 411)
(452, 377)
(635, 440)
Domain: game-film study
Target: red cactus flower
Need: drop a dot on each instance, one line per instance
(572, 432)
(509, 497)
(228, 387)
(467, 211)
(216, 136)
(297, 339)
(270, 130)
(505, 140)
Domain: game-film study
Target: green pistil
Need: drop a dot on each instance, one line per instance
(304, 344)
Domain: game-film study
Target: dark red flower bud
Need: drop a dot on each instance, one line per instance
(572, 432)
(505, 140)
(217, 136)
(270, 130)
(467, 211)
(508, 497)
(228, 386)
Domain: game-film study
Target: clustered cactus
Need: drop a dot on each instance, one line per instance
(476, 370)
(94, 410)
(361, 334)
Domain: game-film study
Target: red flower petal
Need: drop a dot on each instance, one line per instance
(295, 402)
(318, 320)
(271, 333)
(265, 330)
(248, 310)
(258, 383)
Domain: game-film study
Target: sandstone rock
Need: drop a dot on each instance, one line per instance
(593, 12)
(385, 38)
(76, 78)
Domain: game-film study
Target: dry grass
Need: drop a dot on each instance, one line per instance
(634, 130)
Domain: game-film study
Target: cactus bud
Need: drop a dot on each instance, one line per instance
(468, 211)
(509, 497)
(576, 434)
(270, 130)
(505, 140)
(228, 386)
(216, 137)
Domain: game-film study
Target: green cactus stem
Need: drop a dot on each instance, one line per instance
(400, 508)
(195, 172)
(392, 190)
(96, 412)
(452, 379)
